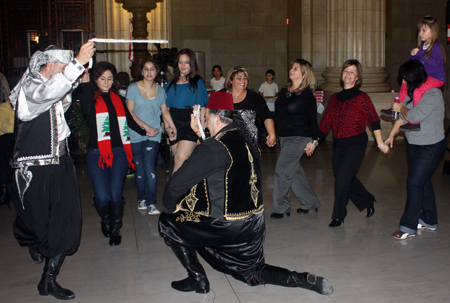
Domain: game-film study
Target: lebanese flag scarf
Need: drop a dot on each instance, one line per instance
(104, 134)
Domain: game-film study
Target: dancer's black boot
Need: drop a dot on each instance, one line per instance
(283, 277)
(196, 280)
(48, 285)
(116, 213)
(103, 212)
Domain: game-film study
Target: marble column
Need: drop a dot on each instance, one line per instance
(356, 29)
(139, 9)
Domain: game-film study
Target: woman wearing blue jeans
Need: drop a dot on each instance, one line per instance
(425, 150)
(146, 101)
(109, 150)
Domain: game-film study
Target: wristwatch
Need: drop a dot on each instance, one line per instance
(314, 142)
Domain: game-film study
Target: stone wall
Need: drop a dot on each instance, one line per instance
(248, 33)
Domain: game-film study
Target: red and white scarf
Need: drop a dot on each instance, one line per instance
(104, 134)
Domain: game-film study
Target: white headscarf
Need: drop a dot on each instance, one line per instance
(37, 60)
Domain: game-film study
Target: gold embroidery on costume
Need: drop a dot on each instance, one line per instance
(240, 216)
(191, 199)
(189, 216)
(253, 179)
(218, 137)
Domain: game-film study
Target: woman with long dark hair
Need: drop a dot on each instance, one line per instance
(424, 150)
(185, 90)
(109, 149)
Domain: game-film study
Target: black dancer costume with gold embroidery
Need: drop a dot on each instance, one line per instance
(221, 216)
(241, 183)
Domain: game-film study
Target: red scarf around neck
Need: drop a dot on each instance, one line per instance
(103, 130)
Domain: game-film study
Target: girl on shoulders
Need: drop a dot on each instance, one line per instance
(432, 55)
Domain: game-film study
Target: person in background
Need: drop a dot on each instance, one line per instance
(424, 150)
(6, 140)
(269, 88)
(249, 105)
(185, 90)
(123, 81)
(348, 113)
(296, 126)
(146, 101)
(218, 82)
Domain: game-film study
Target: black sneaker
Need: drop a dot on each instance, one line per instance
(387, 112)
(409, 127)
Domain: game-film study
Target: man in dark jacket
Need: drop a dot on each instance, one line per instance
(221, 212)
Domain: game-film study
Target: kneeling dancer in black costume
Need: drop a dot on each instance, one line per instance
(221, 212)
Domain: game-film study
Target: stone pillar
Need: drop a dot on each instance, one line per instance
(139, 9)
(356, 30)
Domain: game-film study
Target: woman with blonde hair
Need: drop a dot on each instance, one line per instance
(296, 126)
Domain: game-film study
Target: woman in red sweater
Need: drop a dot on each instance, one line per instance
(348, 113)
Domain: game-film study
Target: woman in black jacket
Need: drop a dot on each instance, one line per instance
(109, 149)
(296, 127)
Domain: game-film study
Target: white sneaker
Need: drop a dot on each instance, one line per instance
(152, 210)
(423, 227)
(142, 205)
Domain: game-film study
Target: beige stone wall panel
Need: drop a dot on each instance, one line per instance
(274, 32)
(196, 32)
(218, 46)
(225, 32)
(175, 5)
(196, 6)
(184, 19)
(216, 18)
(224, 60)
(176, 33)
(250, 6)
(250, 60)
(262, 46)
(268, 19)
(280, 45)
(270, 61)
(237, 46)
(237, 18)
(274, 6)
(250, 32)
(224, 6)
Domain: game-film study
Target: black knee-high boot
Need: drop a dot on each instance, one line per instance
(103, 212)
(48, 285)
(283, 277)
(116, 213)
(196, 280)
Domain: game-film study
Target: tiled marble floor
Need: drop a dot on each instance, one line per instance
(361, 260)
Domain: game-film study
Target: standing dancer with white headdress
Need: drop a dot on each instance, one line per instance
(46, 196)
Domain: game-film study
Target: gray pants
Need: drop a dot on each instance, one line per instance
(290, 174)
